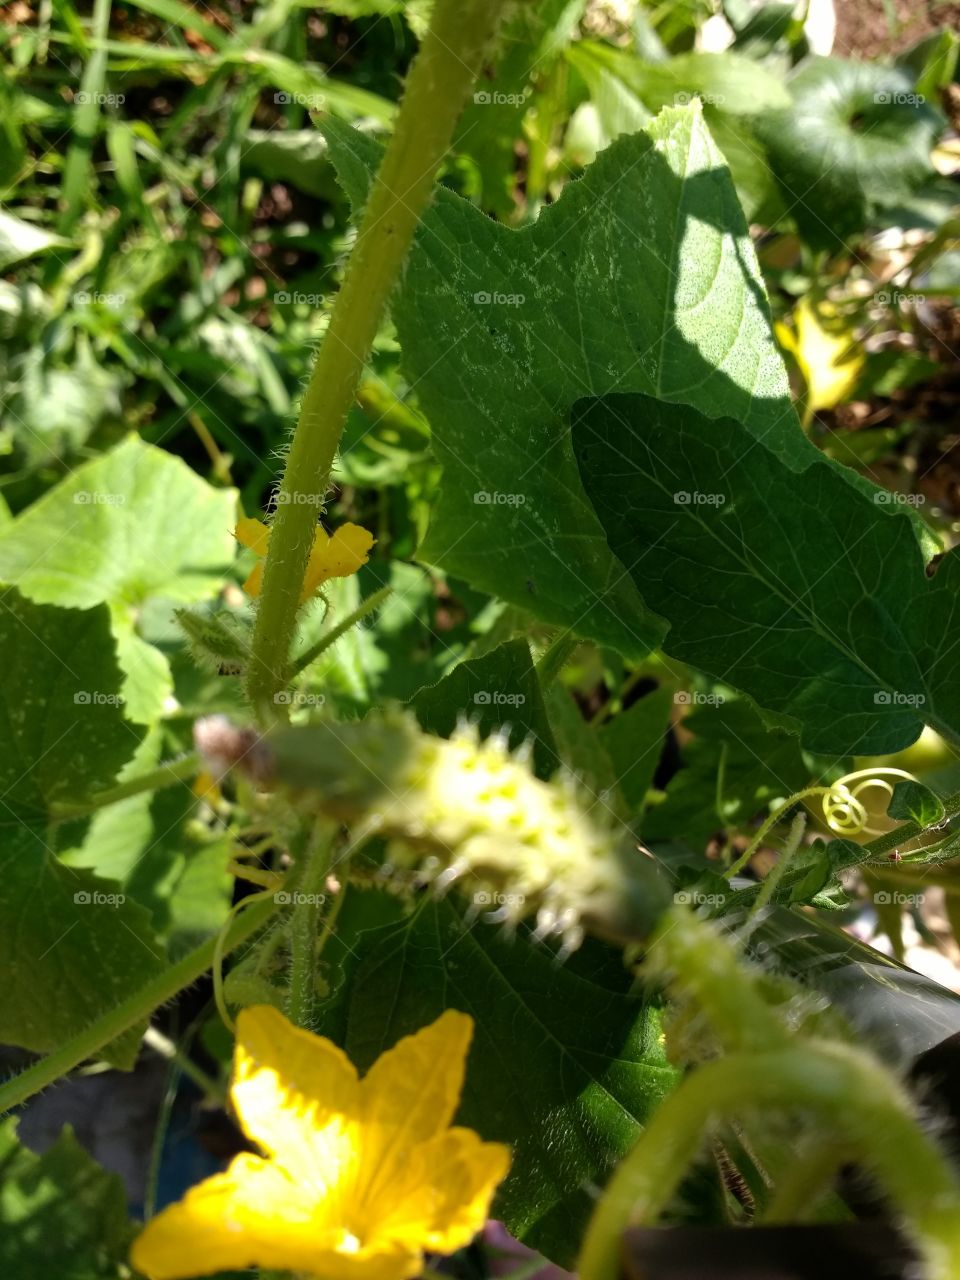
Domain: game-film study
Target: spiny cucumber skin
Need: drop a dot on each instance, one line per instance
(531, 847)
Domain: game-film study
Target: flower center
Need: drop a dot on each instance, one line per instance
(349, 1243)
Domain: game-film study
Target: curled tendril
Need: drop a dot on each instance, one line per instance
(844, 811)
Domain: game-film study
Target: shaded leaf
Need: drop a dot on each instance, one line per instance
(792, 587)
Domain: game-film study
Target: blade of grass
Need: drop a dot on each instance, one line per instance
(78, 166)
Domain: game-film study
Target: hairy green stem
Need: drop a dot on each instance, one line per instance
(438, 84)
(308, 898)
(770, 823)
(805, 1183)
(853, 1098)
(165, 775)
(333, 635)
(773, 877)
(132, 1010)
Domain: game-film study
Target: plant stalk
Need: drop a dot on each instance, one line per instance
(852, 1097)
(309, 897)
(438, 84)
(331, 637)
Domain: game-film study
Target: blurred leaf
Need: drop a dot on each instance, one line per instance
(61, 1214)
(727, 81)
(132, 525)
(884, 372)
(492, 124)
(856, 135)
(296, 156)
(19, 240)
(53, 411)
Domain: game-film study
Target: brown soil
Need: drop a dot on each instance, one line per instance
(864, 30)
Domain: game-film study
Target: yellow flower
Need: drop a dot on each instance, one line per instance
(823, 347)
(333, 556)
(359, 1177)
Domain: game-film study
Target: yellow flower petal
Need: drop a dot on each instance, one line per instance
(409, 1095)
(206, 787)
(824, 350)
(253, 534)
(296, 1095)
(363, 1176)
(338, 556)
(443, 1197)
(256, 1215)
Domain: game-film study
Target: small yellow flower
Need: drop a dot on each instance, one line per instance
(824, 347)
(336, 555)
(206, 787)
(360, 1177)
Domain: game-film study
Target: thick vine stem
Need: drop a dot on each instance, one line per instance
(308, 897)
(853, 1098)
(439, 81)
(133, 1010)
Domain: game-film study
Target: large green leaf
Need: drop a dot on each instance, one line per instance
(566, 1063)
(640, 278)
(793, 587)
(61, 1214)
(132, 525)
(71, 946)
